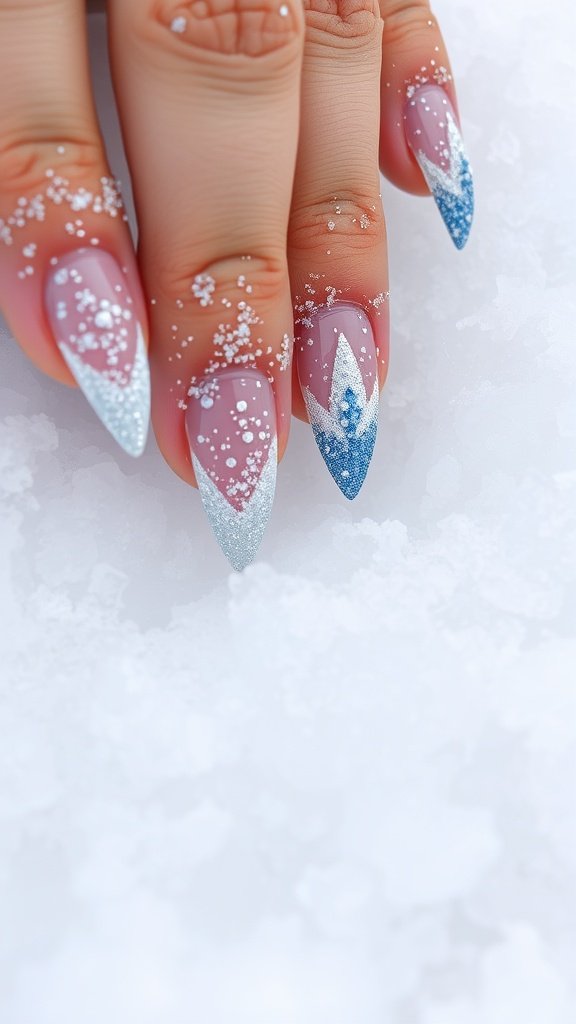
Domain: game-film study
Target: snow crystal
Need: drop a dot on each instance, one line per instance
(337, 789)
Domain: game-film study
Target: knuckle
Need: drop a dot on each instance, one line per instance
(27, 163)
(205, 31)
(207, 290)
(343, 24)
(347, 224)
(404, 18)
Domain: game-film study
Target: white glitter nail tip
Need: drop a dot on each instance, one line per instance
(124, 411)
(239, 532)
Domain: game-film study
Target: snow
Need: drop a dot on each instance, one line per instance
(337, 789)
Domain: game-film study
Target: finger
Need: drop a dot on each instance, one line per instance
(421, 146)
(69, 285)
(208, 94)
(337, 237)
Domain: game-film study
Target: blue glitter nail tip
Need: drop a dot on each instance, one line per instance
(453, 190)
(345, 432)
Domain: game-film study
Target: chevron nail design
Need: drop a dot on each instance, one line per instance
(434, 136)
(93, 320)
(336, 361)
(231, 428)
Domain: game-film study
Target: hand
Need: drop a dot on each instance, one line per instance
(252, 133)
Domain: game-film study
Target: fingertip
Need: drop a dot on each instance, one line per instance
(414, 56)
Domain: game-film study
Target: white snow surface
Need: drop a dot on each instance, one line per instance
(338, 788)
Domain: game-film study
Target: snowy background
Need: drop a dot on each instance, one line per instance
(337, 789)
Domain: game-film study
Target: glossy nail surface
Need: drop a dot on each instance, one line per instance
(337, 369)
(231, 428)
(93, 320)
(433, 134)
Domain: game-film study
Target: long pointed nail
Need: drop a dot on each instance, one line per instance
(93, 319)
(337, 368)
(231, 428)
(433, 134)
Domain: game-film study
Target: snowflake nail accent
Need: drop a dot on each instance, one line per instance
(336, 361)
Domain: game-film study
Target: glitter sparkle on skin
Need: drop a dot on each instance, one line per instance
(103, 200)
(284, 356)
(234, 344)
(203, 289)
(437, 74)
(58, 192)
(304, 310)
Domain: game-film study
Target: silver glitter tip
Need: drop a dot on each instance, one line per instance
(239, 533)
(124, 411)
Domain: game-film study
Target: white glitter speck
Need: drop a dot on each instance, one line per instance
(203, 288)
(247, 436)
(179, 25)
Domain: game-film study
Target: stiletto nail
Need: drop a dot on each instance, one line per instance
(231, 428)
(433, 134)
(94, 322)
(337, 368)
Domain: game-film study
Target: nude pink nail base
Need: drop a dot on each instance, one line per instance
(93, 320)
(338, 373)
(433, 135)
(231, 429)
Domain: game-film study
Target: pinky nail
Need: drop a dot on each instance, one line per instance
(231, 429)
(93, 319)
(432, 132)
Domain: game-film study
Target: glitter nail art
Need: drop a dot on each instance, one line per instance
(337, 368)
(93, 320)
(231, 428)
(434, 136)
(103, 200)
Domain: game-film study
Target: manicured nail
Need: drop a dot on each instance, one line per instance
(231, 428)
(433, 134)
(337, 368)
(93, 319)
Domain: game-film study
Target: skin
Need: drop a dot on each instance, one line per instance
(239, 134)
